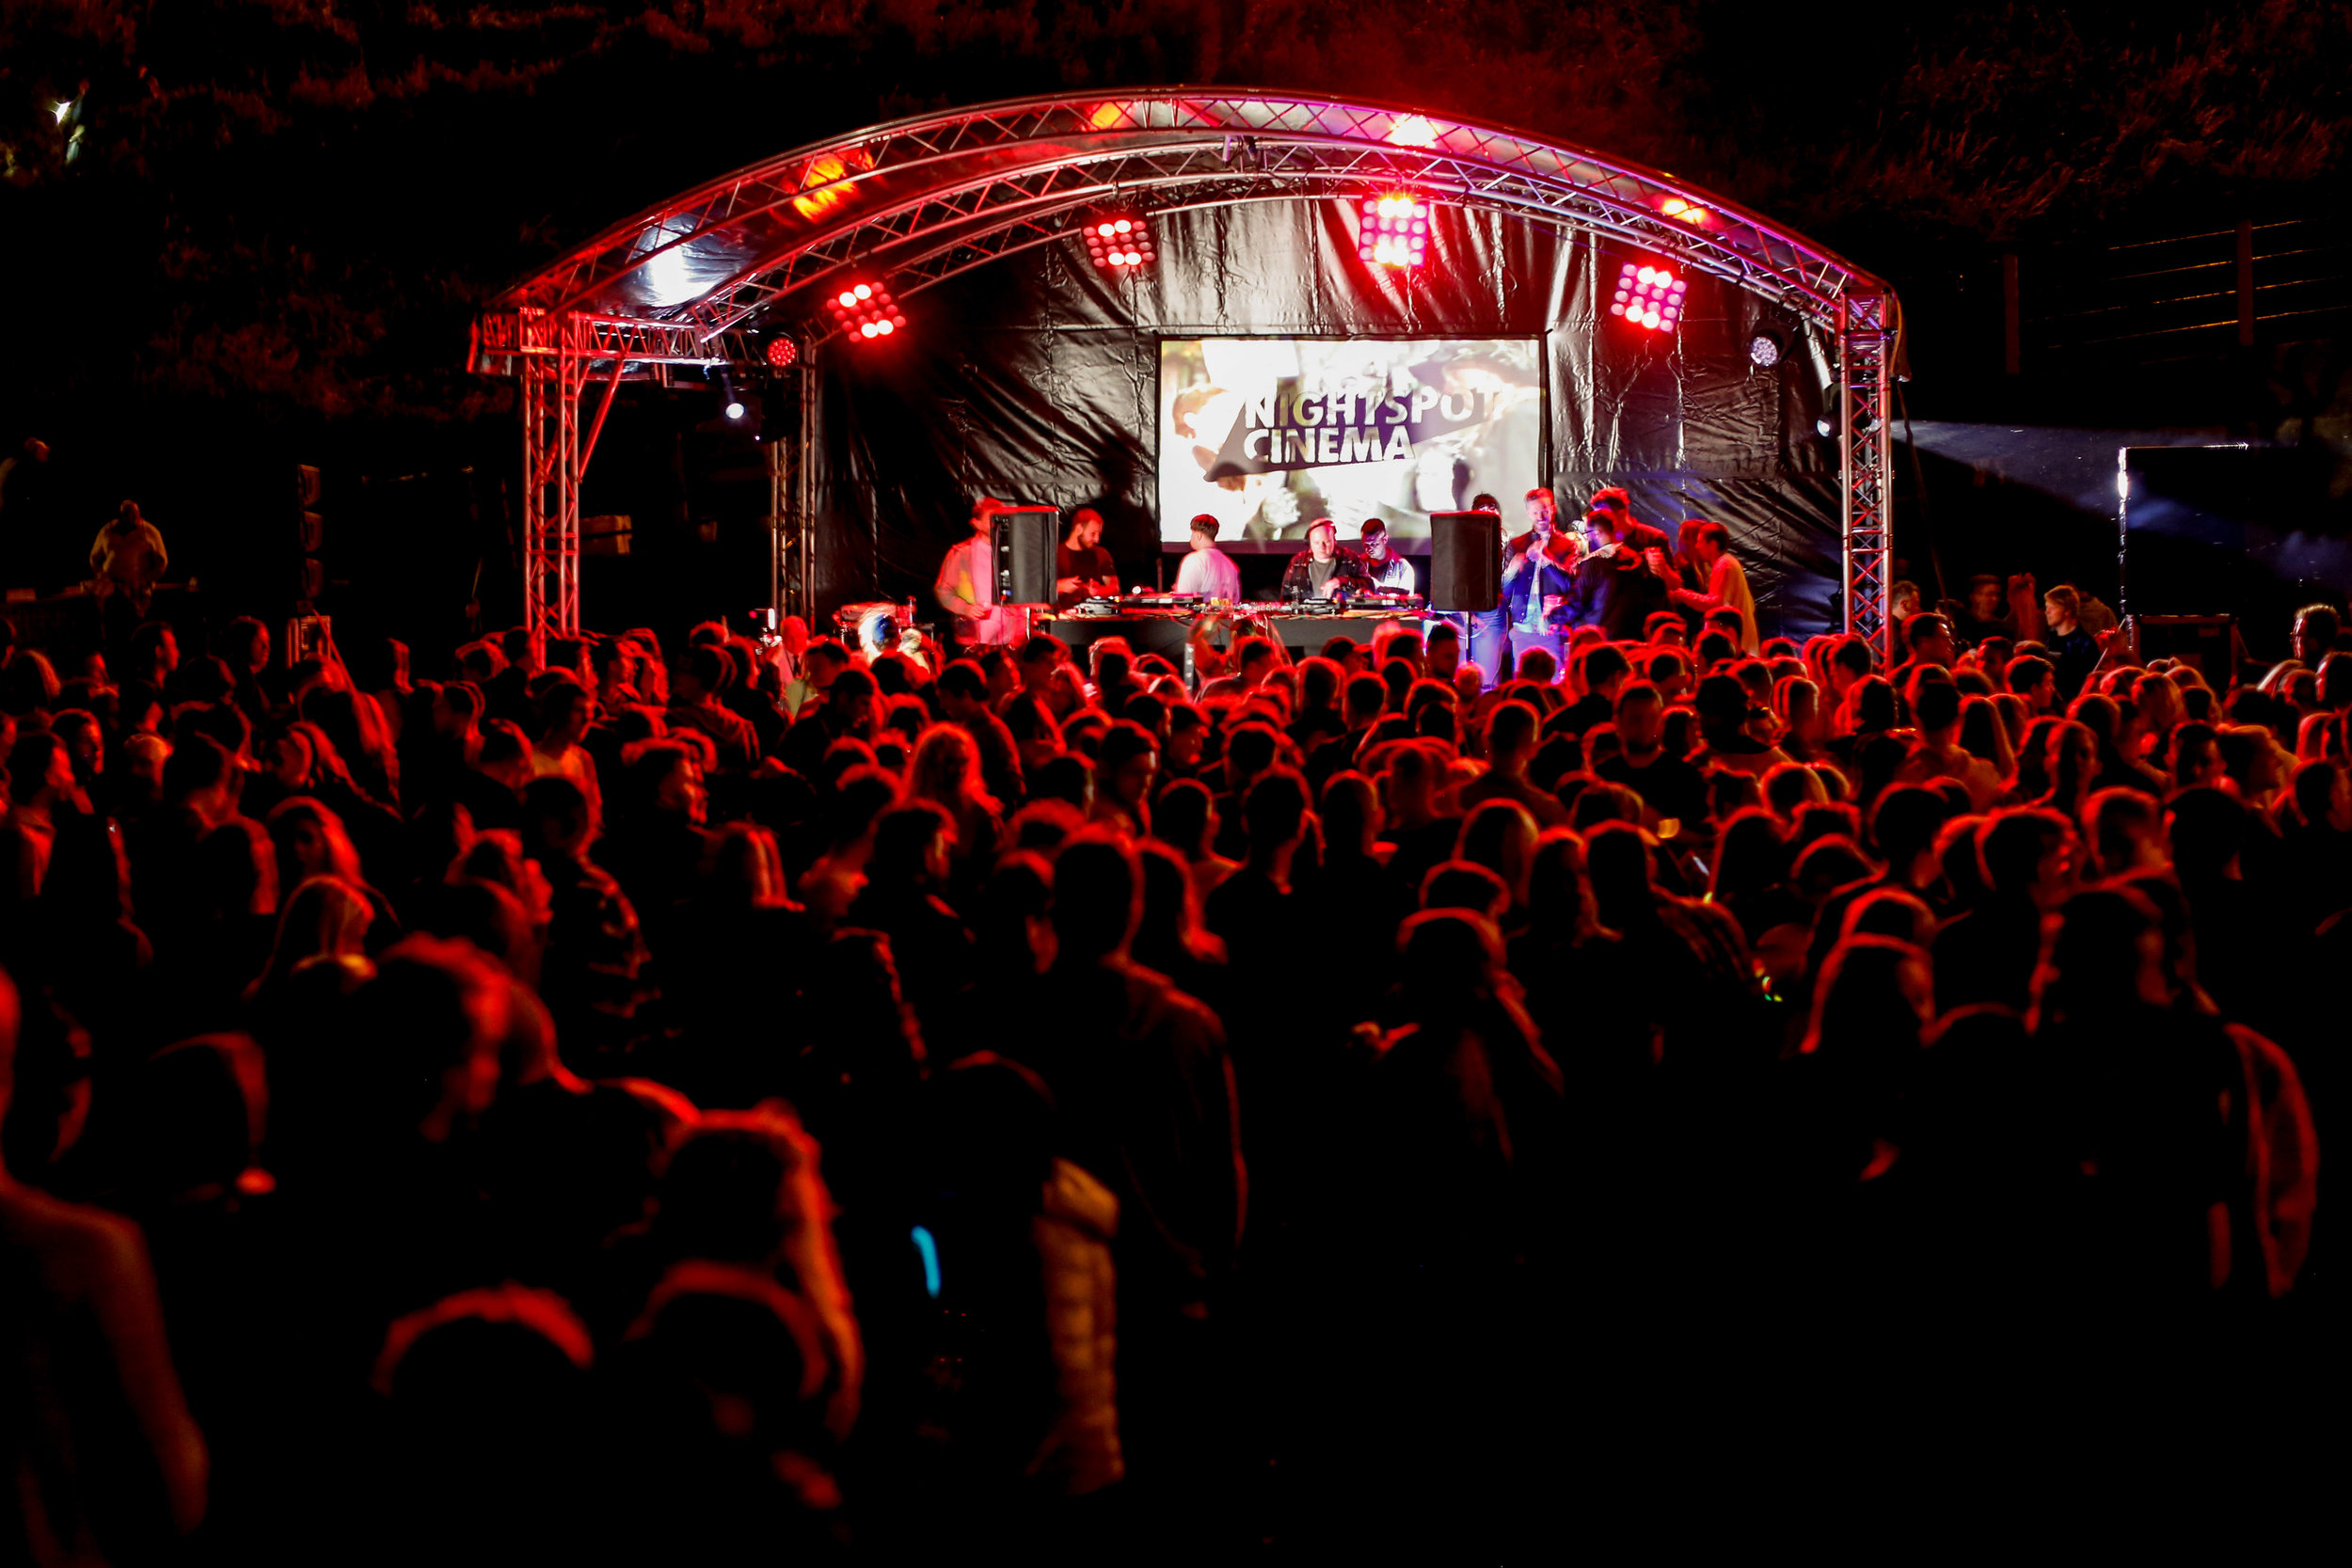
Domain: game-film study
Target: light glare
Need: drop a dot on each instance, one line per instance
(1413, 130)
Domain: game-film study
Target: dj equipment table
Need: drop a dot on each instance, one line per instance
(1164, 633)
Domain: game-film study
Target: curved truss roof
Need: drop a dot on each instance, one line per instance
(926, 197)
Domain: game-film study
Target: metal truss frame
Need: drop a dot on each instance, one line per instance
(502, 338)
(924, 199)
(551, 362)
(1866, 466)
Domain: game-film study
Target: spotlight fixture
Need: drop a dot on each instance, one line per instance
(1119, 240)
(1394, 232)
(1864, 422)
(1766, 347)
(866, 311)
(782, 352)
(1648, 296)
(730, 400)
(1681, 210)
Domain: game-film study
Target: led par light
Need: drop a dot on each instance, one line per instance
(865, 312)
(1394, 232)
(1120, 242)
(1648, 296)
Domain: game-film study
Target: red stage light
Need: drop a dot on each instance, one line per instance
(1117, 240)
(782, 352)
(1648, 296)
(864, 310)
(1394, 232)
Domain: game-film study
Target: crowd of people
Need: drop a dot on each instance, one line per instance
(725, 1101)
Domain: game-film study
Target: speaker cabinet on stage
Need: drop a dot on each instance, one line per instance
(1464, 561)
(1027, 540)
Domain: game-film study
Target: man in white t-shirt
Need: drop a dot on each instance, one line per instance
(967, 584)
(1208, 571)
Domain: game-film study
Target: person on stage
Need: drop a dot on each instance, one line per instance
(126, 562)
(1631, 533)
(1390, 572)
(1725, 582)
(1615, 588)
(1324, 568)
(967, 584)
(1083, 569)
(1208, 571)
(1537, 579)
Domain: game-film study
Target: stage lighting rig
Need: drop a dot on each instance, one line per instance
(1120, 242)
(730, 398)
(865, 312)
(1394, 232)
(1648, 296)
(1768, 348)
(783, 352)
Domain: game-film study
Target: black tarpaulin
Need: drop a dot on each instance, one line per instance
(1035, 378)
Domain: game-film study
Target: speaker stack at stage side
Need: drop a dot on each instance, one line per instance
(1464, 561)
(1026, 539)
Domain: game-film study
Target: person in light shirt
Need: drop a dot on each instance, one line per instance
(1709, 547)
(1391, 572)
(967, 584)
(1208, 571)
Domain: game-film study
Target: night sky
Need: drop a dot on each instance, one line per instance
(271, 224)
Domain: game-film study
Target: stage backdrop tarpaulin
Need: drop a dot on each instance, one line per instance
(1037, 378)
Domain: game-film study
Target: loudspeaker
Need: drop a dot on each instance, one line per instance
(1027, 540)
(1464, 561)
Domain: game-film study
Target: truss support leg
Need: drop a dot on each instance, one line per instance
(553, 365)
(780, 456)
(803, 492)
(534, 379)
(1865, 467)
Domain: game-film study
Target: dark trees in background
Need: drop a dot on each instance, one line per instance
(264, 227)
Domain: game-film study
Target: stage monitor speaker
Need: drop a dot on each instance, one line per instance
(2204, 642)
(1027, 540)
(1464, 561)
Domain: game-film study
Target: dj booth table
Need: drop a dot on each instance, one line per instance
(1166, 633)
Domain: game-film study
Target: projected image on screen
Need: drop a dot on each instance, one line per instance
(1271, 434)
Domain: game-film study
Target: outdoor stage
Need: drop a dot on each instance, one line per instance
(997, 352)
